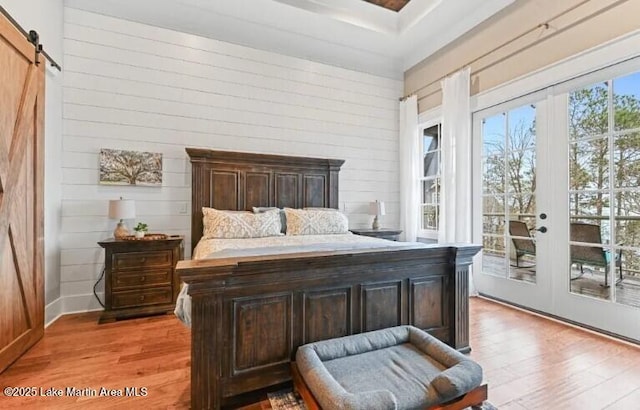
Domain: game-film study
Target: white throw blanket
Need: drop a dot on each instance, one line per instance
(183, 306)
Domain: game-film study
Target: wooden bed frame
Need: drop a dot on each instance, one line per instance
(250, 314)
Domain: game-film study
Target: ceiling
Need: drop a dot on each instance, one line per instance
(395, 5)
(354, 34)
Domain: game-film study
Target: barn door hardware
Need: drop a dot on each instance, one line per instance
(33, 37)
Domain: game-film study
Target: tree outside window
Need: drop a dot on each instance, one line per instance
(604, 162)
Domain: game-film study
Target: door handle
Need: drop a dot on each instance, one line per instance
(542, 229)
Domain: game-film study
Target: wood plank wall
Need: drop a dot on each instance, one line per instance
(138, 87)
(516, 41)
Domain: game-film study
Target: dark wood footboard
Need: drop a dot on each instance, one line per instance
(249, 315)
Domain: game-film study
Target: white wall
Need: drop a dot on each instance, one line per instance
(134, 86)
(46, 17)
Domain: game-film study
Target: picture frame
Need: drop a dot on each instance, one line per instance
(139, 168)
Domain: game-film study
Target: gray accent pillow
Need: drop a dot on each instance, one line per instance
(283, 216)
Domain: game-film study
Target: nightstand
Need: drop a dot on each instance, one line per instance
(382, 233)
(140, 277)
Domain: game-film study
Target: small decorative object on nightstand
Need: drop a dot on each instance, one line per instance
(140, 277)
(140, 229)
(383, 233)
(376, 209)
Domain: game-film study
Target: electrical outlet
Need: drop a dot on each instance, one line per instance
(183, 208)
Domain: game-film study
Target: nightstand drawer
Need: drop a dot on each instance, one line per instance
(141, 259)
(124, 280)
(142, 297)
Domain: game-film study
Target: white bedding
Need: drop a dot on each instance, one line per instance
(207, 248)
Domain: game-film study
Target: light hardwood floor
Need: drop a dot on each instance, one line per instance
(76, 352)
(535, 363)
(529, 363)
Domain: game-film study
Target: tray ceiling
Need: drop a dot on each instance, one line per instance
(353, 34)
(395, 5)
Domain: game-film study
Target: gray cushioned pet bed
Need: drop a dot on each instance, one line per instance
(396, 368)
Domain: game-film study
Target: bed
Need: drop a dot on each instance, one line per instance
(249, 313)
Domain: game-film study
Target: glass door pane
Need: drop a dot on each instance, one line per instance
(625, 170)
(604, 199)
(509, 194)
(495, 251)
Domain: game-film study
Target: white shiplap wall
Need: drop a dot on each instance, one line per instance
(138, 87)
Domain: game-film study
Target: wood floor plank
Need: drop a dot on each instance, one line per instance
(529, 362)
(629, 401)
(604, 394)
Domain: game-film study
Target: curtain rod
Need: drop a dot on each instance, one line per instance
(401, 99)
(32, 37)
(546, 25)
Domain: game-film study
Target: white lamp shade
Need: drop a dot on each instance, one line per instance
(376, 208)
(122, 209)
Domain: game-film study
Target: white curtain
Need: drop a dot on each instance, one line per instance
(455, 207)
(409, 168)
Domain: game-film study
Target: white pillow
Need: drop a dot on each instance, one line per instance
(239, 224)
(315, 222)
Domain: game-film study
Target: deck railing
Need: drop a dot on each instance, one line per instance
(626, 270)
(591, 217)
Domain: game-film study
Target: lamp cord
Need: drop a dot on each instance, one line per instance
(96, 284)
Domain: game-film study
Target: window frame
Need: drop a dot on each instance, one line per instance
(431, 121)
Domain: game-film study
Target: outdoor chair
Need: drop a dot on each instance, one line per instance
(588, 255)
(524, 244)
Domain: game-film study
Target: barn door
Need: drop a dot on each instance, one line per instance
(21, 195)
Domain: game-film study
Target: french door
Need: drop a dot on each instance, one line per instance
(598, 163)
(557, 200)
(511, 192)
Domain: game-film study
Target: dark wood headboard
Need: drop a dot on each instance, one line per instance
(239, 181)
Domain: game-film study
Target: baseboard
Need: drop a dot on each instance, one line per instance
(564, 321)
(66, 305)
(52, 312)
(81, 303)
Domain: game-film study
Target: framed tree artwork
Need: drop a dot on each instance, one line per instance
(119, 167)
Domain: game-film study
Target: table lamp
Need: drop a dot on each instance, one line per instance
(377, 209)
(121, 209)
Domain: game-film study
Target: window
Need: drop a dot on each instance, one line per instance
(430, 181)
